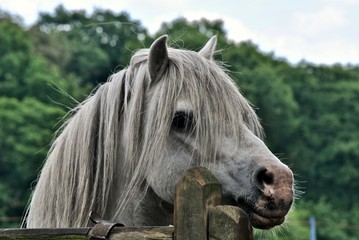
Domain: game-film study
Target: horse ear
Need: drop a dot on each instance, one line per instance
(208, 50)
(158, 58)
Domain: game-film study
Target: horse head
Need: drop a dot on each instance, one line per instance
(125, 147)
(212, 125)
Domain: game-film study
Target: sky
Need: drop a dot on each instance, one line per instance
(318, 31)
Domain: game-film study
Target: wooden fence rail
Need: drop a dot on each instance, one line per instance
(198, 215)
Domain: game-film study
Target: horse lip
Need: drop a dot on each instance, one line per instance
(260, 219)
(261, 222)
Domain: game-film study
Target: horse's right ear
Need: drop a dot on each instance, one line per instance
(208, 50)
(158, 58)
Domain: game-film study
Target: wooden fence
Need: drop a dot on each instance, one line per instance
(198, 215)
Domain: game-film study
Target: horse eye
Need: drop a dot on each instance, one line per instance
(182, 121)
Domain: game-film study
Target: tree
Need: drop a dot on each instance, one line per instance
(26, 127)
(274, 102)
(93, 44)
(325, 145)
(193, 35)
(23, 73)
(30, 93)
(15, 52)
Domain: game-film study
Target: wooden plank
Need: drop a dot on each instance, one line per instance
(196, 193)
(229, 223)
(45, 233)
(141, 233)
(118, 233)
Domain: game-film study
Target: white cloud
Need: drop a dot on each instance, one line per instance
(29, 9)
(297, 48)
(26, 9)
(346, 2)
(325, 19)
(317, 36)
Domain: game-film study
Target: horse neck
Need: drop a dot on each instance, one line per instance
(142, 210)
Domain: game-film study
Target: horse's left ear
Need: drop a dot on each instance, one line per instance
(158, 58)
(208, 50)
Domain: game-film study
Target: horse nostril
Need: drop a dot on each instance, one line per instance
(264, 177)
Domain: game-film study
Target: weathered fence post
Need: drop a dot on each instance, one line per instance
(229, 223)
(196, 193)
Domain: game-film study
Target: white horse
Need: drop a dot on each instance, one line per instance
(126, 146)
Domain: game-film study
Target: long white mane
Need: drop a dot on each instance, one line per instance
(117, 133)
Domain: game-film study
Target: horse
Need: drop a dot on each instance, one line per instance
(128, 143)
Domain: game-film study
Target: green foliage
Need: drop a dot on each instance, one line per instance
(30, 91)
(274, 101)
(309, 111)
(26, 126)
(328, 145)
(15, 52)
(25, 74)
(92, 45)
(184, 34)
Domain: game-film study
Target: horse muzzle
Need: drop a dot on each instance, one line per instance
(274, 198)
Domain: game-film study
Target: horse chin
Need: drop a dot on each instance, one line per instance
(262, 222)
(259, 219)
